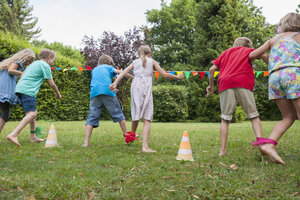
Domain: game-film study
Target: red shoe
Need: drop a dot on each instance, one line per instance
(130, 137)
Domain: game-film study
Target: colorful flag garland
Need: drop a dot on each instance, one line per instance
(186, 73)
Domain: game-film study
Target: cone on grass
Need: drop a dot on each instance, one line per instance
(185, 151)
(51, 139)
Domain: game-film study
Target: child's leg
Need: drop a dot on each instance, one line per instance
(146, 134)
(256, 125)
(2, 123)
(296, 103)
(33, 136)
(88, 133)
(288, 114)
(134, 126)
(5, 110)
(288, 117)
(123, 127)
(224, 135)
(13, 136)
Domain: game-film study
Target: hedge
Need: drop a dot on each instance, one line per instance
(173, 100)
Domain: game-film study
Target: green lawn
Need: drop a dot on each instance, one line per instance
(110, 169)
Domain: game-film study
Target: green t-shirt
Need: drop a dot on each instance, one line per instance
(33, 78)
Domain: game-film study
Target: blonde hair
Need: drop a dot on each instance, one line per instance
(290, 22)
(106, 59)
(47, 54)
(243, 42)
(143, 51)
(22, 56)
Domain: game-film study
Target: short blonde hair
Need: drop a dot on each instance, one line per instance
(21, 56)
(243, 42)
(106, 59)
(143, 51)
(290, 22)
(47, 54)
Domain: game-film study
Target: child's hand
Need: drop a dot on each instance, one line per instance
(58, 96)
(209, 90)
(181, 76)
(113, 87)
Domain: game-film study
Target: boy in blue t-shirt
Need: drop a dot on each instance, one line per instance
(100, 95)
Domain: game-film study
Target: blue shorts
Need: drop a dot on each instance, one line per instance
(28, 102)
(285, 83)
(110, 103)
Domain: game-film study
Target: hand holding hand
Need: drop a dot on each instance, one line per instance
(113, 87)
(181, 76)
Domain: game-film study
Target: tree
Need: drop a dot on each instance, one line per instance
(220, 22)
(121, 48)
(192, 33)
(171, 32)
(16, 17)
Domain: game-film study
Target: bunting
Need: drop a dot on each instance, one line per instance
(186, 73)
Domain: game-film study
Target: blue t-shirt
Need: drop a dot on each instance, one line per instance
(101, 79)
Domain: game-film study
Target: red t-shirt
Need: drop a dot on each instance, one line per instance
(235, 69)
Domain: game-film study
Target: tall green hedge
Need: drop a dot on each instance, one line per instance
(173, 100)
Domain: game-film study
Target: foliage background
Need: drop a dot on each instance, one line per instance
(184, 35)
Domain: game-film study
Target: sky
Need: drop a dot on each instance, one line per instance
(67, 21)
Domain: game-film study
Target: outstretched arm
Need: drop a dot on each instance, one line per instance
(166, 75)
(210, 88)
(126, 75)
(114, 85)
(260, 51)
(54, 88)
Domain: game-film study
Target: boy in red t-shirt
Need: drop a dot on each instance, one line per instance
(236, 81)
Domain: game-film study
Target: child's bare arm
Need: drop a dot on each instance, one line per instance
(265, 58)
(210, 88)
(12, 70)
(126, 75)
(113, 86)
(260, 51)
(165, 74)
(54, 88)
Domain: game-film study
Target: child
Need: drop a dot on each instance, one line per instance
(27, 89)
(284, 79)
(10, 69)
(100, 96)
(236, 82)
(141, 91)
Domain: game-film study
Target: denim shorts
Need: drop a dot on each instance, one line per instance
(96, 106)
(28, 102)
(285, 83)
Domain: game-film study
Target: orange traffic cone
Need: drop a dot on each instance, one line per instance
(51, 139)
(185, 151)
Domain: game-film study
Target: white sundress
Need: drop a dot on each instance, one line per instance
(141, 90)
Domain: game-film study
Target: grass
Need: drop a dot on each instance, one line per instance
(109, 169)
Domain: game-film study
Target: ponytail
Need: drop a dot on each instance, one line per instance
(143, 51)
(144, 60)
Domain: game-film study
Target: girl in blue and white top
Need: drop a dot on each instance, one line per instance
(10, 69)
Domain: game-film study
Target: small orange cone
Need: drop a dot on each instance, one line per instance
(51, 139)
(185, 151)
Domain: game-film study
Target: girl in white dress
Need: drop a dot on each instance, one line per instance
(141, 91)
